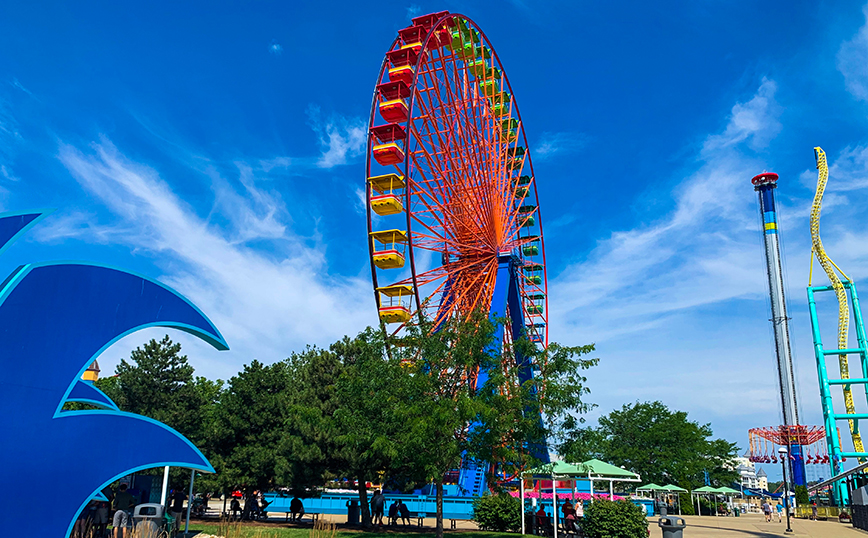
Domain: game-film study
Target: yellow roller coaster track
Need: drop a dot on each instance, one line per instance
(843, 308)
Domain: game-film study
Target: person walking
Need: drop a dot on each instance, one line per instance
(378, 505)
(779, 508)
(767, 510)
(814, 510)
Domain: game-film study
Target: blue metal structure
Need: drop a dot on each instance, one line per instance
(55, 319)
(836, 453)
(505, 303)
(845, 291)
(764, 185)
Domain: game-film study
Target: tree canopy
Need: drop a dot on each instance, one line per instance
(663, 446)
(402, 412)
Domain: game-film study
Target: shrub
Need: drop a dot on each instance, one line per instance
(614, 519)
(499, 513)
(686, 501)
(802, 497)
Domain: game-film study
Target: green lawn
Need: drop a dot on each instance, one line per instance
(262, 531)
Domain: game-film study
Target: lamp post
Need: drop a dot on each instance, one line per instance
(782, 452)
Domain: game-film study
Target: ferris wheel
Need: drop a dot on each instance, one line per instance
(453, 217)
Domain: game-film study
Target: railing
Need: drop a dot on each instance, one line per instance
(823, 512)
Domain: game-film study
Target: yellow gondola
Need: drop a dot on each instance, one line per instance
(387, 201)
(396, 311)
(390, 257)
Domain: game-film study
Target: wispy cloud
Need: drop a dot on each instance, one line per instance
(849, 171)
(17, 84)
(342, 139)
(413, 11)
(267, 303)
(552, 144)
(275, 48)
(10, 138)
(703, 251)
(853, 61)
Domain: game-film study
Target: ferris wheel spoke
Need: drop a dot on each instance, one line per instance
(473, 132)
(461, 166)
(437, 211)
(451, 119)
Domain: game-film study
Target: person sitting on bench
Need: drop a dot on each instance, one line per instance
(296, 509)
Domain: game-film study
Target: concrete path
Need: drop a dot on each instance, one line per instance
(754, 525)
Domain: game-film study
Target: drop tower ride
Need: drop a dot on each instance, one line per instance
(790, 432)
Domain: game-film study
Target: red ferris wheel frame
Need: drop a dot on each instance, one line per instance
(472, 210)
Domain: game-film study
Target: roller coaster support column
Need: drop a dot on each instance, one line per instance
(765, 184)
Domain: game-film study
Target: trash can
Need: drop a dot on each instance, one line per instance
(661, 508)
(353, 512)
(149, 520)
(673, 527)
(735, 511)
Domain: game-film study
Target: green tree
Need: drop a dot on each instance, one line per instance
(249, 429)
(158, 382)
(376, 404)
(661, 445)
(466, 398)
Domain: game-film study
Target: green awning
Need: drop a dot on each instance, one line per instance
(706, 489)
(727, 491)
(652, 487)
(672, 487)
(607, 470)
(558, 468)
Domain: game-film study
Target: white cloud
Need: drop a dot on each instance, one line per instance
(9, 139)
(755, 121)
(342, 139)
(275, 48)
(552, 144)
(267, 304)
(703, 251)
(413, 11)
(853, 61)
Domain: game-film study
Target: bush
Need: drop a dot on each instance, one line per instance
(687, 507)
(614, 519)
(802, 497)
(499, 513)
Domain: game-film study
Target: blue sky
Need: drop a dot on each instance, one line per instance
(218, 147)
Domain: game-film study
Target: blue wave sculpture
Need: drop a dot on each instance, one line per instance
(55, 319)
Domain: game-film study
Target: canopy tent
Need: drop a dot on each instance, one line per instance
(672, 488)
(556, 470)
(729, 492)
(649, 487)
(600, 470)
(590, 470)
(704, 490)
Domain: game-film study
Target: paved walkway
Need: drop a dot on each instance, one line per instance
(754, 525)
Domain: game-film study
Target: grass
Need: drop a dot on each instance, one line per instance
(324, 531)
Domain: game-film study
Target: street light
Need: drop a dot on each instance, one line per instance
(782, 452)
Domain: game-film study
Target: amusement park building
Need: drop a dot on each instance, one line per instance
(762, 479)
(748, 476)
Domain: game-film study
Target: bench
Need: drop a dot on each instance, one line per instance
(314, 516)
(420, 518)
